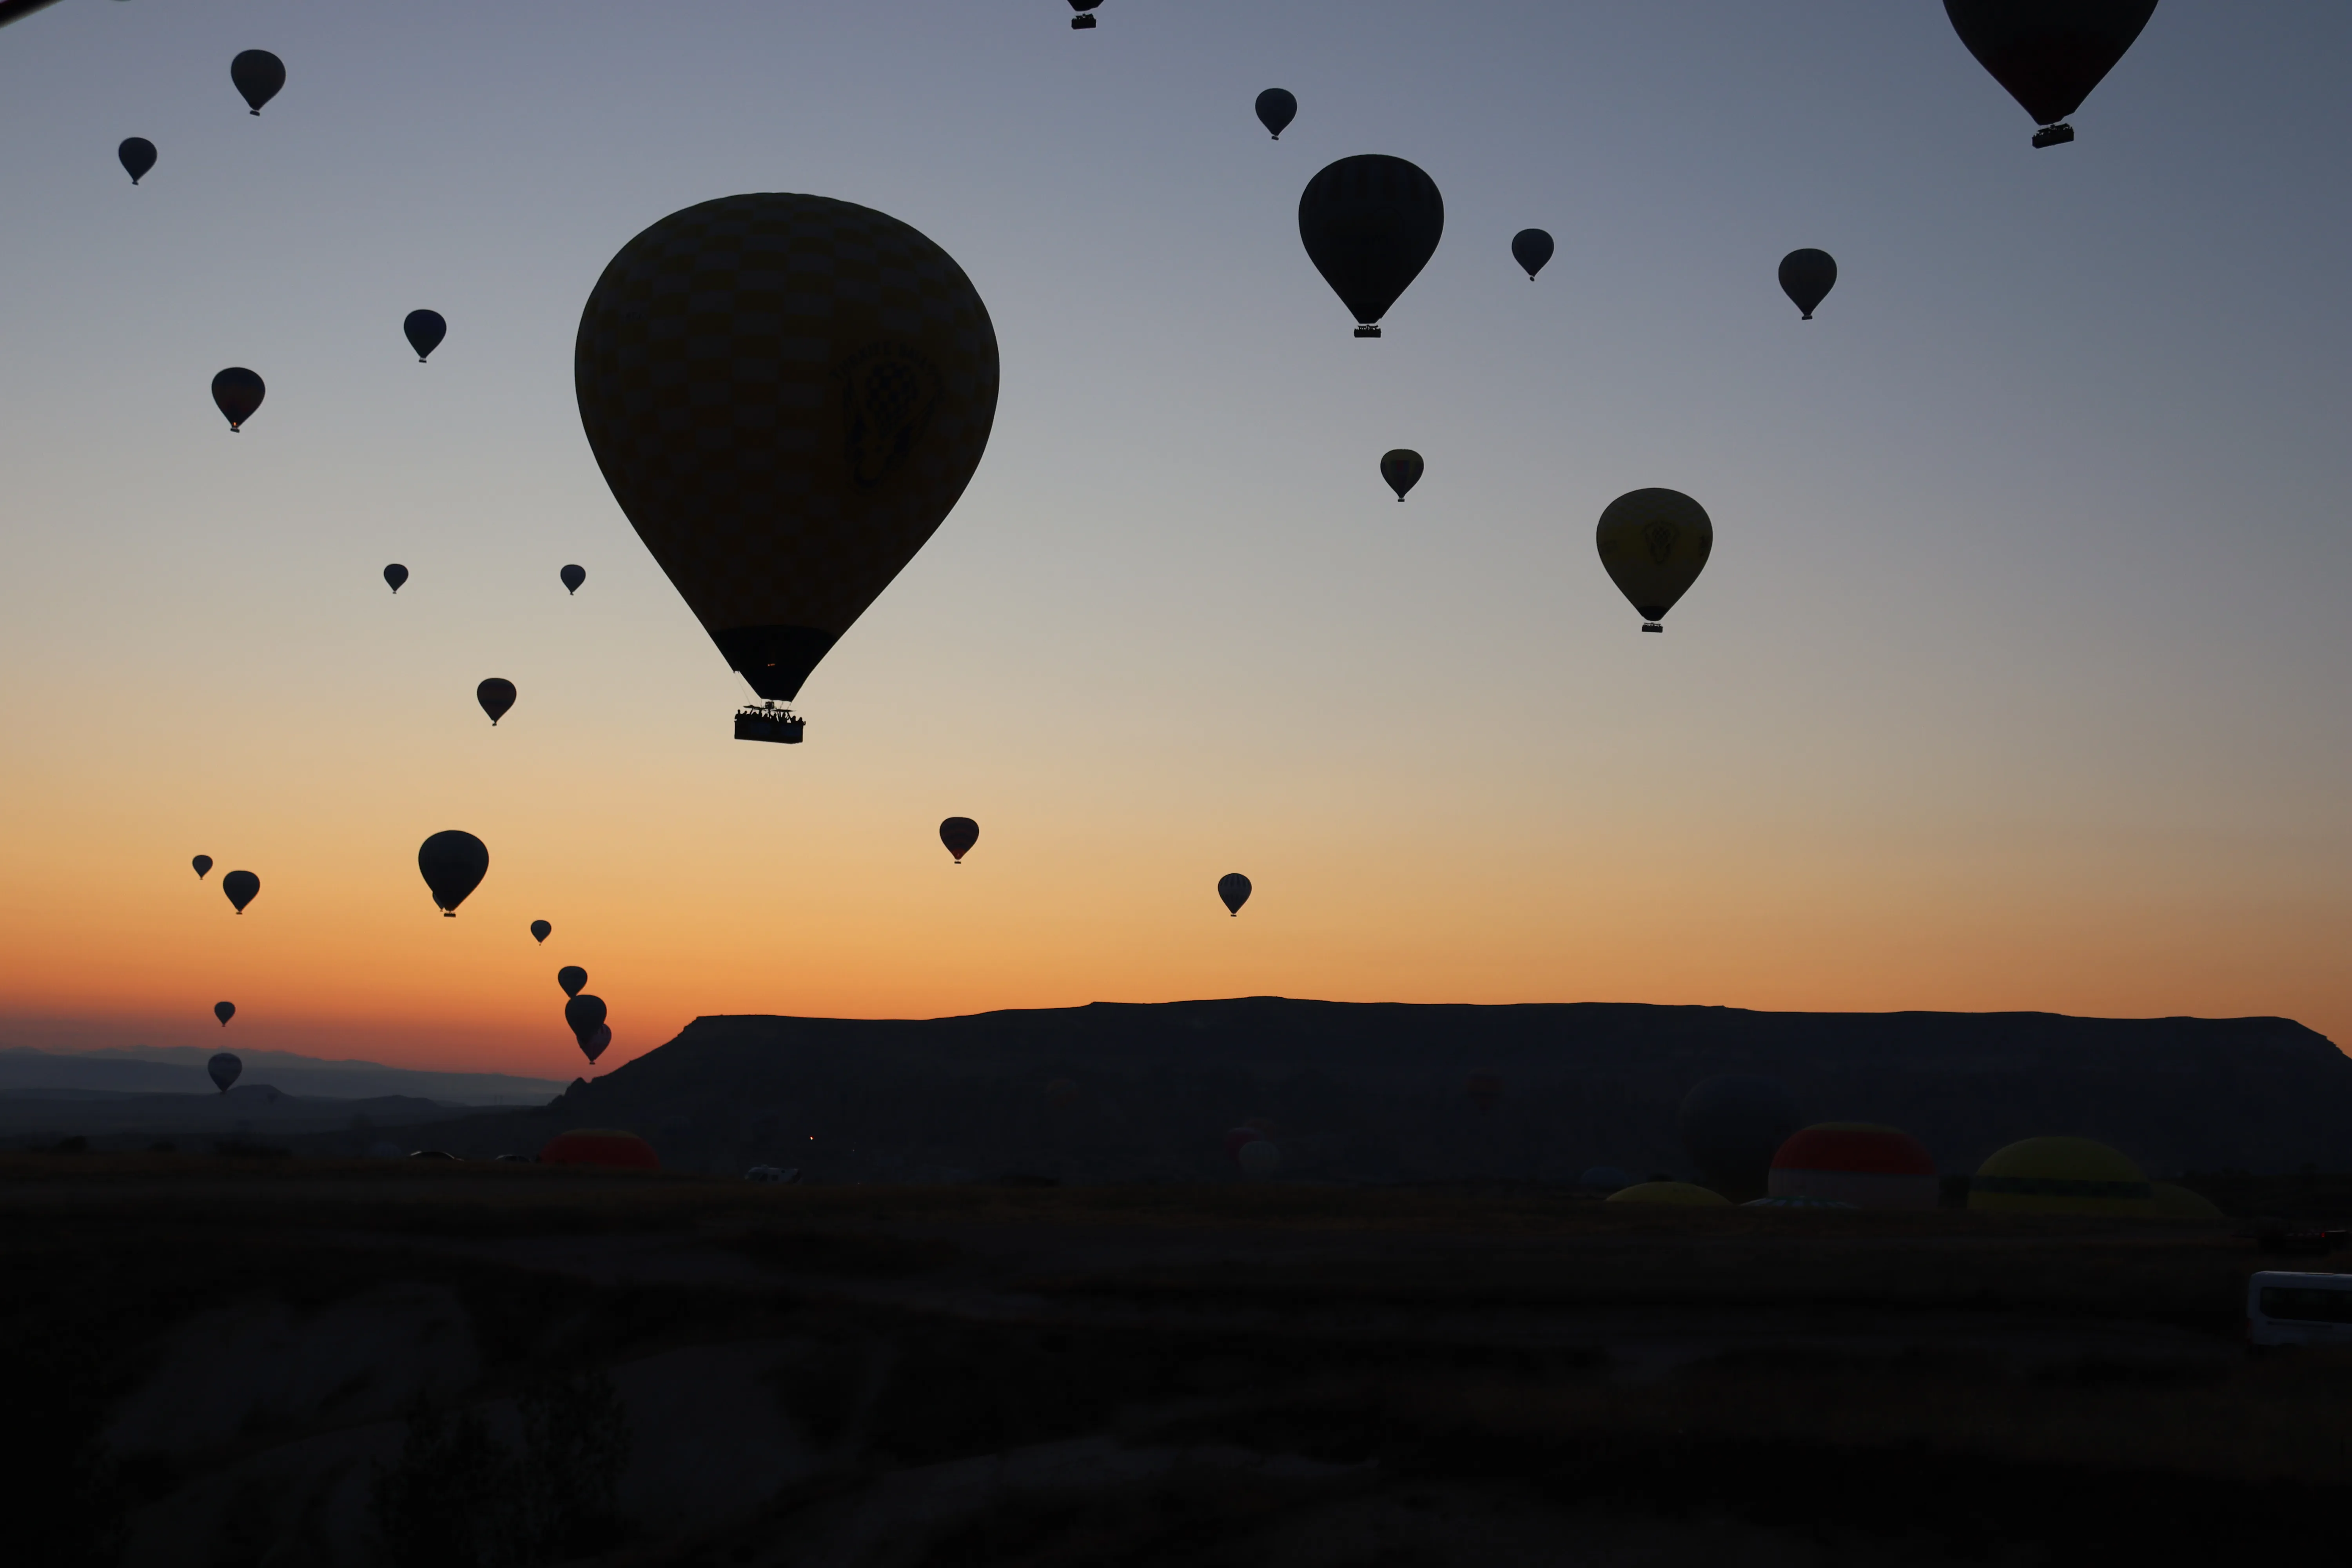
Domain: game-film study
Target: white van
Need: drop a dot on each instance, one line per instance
(2283, 1308)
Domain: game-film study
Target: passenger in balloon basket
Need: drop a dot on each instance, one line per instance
(768, 722)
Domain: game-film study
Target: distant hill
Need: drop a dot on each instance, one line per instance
(1380, 1091)
(180, 1070)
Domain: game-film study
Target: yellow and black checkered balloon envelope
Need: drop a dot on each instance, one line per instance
(788, 395)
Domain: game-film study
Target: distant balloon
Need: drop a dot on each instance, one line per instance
(850, 437)
(2049, 53)
(425, 329)
(1276, 108)
(540, 930)
(224, 1066)
(496, 696)
(240, 887)
(959, 834)
(137, 155)
(573, 577)
(203, 863)
(1532, 248)
(1260, 1158)
(236, 393)
(454, 864)
(1402, 469)
(1732, 1125)
(1370, 223)
(395, 574)
(224, 1011)
(1654, 545)
(593, 1046)
(1081, 22)
(586, 1014)
(258, 74)
(1234, 888)
(1807, 277)
(572, 978)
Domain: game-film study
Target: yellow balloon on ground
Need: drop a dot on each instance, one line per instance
(1686, 1194)
(787, 394)
(2176, 1202)
(2059, 1175)
(1654, 545)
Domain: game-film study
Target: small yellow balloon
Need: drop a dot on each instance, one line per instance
(1654, 545)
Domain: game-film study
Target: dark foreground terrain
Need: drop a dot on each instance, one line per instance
(218, 1363)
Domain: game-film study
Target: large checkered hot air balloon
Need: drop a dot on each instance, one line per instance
(787, 394)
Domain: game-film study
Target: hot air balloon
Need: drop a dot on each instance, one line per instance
(1276, 108)
(224, 1066)
(2049, 53)
(573, 577)
(572, 979)
(1732, 1125)
(424, 330)
(1370, 223)
(224, 1011)
(1234, 888)
(1532, 248)
(593, 1046)
(959, 834)
(496, 696)
(586, 1014)
(454, 864)
(1654, 545)
(258, 74)
(1402, 469)
(1807, 277)
(540, 930)
(137, 155)
(395, 574)
(1081, 22)
(848, 438)
(203, 863)
(17, 10)
(236, 393)
(1260, 1159)
(1483, 1088)
(240, 887)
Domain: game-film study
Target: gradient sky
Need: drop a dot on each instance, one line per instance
(2017, 680)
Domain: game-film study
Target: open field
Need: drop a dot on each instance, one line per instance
(1143, 1374)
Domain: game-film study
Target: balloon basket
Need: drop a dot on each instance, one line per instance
(2054, 135)
(1652, 626)
(1080, 23)
(1368, 331)
(768, 722)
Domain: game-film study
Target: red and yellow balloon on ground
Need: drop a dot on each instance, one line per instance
(1856, 1162)
(787, 394)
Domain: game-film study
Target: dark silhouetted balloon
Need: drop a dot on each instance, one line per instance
(1483, 1088)
(240, 887)
(959, 834)
(1234, 888)
(1081, 22)
(586, 1014)
(1276, 108)
(395, 574)
(2049, 53)
(573, 577)
(237, 391)
(1732, 1125)
(258, 74)
(453, 864)
(1654, 545)
(1402, 469)
(572, 978)
(540, 930)
(1370, 223)
(203, 863)
(848, 437)
(496, 696)
(1807, 277)
(224, 1011)
(593, 1046)
(426, 329)
(137, 155)
(224, 1066)
(1532, 248)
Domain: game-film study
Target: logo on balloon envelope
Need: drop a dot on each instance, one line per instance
(887, 392)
